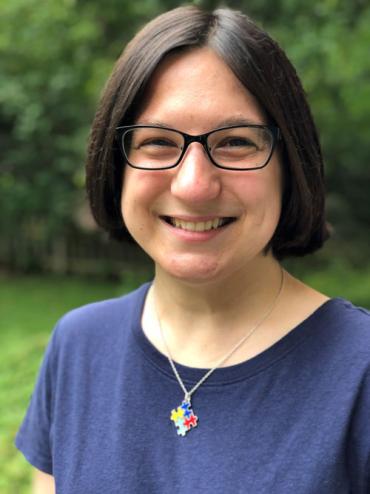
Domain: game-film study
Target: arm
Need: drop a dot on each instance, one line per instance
(42, 483)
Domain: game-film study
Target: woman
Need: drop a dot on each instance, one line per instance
(225, 374)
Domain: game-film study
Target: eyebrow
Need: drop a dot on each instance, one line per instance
(239, 121)
(223, 123)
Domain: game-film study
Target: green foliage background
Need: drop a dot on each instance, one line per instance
(56, 54)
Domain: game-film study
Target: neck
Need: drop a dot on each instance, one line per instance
(245, 287)
(205, 320)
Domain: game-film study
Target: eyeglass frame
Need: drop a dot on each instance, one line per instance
(202, 139)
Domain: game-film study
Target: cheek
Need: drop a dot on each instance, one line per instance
(131, 209)
(258, 191)
(261, 195)
(140, 192)
(135, 188)
(128, 197)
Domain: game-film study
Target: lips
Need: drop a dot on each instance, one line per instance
(198, 226)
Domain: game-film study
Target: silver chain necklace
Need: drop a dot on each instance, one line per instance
(183, 416)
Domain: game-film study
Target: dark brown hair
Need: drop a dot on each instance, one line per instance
(263, 68)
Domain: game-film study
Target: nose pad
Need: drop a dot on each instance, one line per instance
(196, 179)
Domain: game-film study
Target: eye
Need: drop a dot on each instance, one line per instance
(236, 142)
(157, 141)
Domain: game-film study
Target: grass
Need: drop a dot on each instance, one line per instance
(29, 308)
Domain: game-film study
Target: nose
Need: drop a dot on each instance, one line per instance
(196, 179)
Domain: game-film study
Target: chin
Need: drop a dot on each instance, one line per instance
(198, 270)
(195, 271)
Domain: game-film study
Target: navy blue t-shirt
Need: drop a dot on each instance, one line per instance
(293, 420)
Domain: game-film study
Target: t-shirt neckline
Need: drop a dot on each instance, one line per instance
(229, 374)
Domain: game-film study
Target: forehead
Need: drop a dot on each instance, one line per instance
(197, 89)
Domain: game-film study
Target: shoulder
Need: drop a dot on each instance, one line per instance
(99, 321)
(344, 315)
(342, 330)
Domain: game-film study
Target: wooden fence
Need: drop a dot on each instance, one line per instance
(74, 252)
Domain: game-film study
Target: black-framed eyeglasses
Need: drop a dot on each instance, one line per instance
(237, 147)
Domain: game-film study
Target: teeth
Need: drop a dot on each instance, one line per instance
(199, 226)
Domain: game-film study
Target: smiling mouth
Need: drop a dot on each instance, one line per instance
(198, 226)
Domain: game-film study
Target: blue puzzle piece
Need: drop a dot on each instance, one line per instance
(185, 406)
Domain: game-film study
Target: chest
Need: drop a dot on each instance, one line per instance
(260, 435)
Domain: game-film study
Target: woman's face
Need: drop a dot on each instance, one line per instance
(196, 92)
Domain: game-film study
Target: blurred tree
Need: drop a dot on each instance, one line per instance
(45, 104)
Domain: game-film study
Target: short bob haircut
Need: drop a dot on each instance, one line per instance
(263, 68)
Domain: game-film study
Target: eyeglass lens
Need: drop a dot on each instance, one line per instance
(238, 147)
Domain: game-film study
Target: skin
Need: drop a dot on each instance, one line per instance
(223, 280)
(43, 483)
(194, 93)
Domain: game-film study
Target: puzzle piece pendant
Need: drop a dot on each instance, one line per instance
(184, 418)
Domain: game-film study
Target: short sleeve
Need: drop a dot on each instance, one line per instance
(34, 438)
